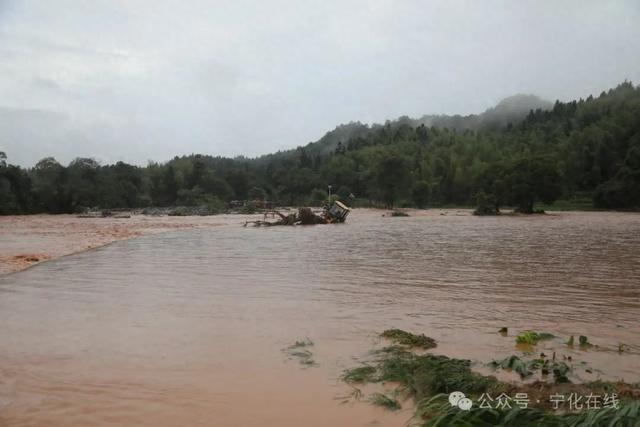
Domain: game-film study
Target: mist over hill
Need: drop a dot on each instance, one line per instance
(510, 111)
(519, 153)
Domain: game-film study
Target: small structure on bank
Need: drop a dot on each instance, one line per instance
(337, 212)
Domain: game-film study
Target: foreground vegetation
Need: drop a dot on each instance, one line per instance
(427, 379)
(440, 413)
(580, 150)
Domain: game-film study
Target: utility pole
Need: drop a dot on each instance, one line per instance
(329, 186)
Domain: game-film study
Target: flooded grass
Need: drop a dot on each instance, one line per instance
(419, 375)
(438, 412)
(525, 368)
(428, 379)
(302, 343)
(408, 339)
(298, 350)
(362, 374)
(383, 400)
(532, 337)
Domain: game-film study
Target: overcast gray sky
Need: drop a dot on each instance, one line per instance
(135, 80)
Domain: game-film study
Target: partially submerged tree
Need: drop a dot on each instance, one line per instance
(521, 184)
(530, 180)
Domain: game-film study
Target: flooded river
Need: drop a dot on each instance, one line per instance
(187, 327)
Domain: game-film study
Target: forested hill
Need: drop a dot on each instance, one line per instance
(511, 110)
(589, 148)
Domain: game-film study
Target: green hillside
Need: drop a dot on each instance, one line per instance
(510, 155)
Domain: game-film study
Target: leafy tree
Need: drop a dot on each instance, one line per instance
(318, 197)
(421, 193)
(170, 183)
(343, 192)
(392, 179)
(623, 191)
(485, 205)
(214, 186)
(257, 193)
(239, 182)
(493, 189)
(532, 179)
(50, 189)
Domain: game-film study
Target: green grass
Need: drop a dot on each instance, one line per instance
(408, 339)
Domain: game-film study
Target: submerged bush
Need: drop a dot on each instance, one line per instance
(485, 205)
(532, 337)
(582, 340)
(515, 364)
(410, 340)
(526, 368)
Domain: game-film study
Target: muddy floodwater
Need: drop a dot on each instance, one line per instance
(187, 327)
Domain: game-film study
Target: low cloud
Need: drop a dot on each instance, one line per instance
(138, 80)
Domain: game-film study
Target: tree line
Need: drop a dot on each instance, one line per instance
(584, 149)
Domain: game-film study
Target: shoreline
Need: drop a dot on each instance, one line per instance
(28, 240)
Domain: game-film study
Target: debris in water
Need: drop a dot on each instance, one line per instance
(336, 213)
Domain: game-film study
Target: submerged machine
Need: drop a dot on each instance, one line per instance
(336, 212)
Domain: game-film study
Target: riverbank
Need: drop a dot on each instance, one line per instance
(26, 240)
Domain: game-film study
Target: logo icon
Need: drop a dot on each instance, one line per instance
(457, 398)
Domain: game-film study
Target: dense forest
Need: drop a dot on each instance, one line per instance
(585, 149)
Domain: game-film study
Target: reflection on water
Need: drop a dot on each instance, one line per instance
(186, 328)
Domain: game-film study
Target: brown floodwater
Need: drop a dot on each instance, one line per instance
(187, 327)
